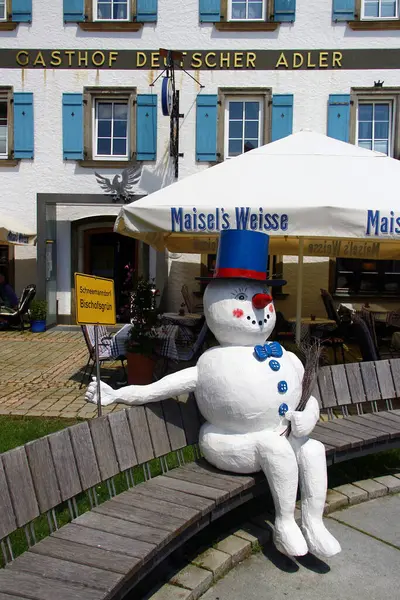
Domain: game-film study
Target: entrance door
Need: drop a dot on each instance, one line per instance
(108, 254)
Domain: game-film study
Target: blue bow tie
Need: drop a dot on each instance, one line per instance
(271, 349)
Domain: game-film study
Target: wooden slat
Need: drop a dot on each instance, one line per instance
(392, 415)
(173, 421)
(140, 433)
(39, 588)
(20, 486)
(104, 447)
(162, 507)
(327, 391)
(230, 487)
(316, 393)
(356, 386)
(385, 380)
(330, 440)
(43, 473)
(354, 440)
(122, 438)
(363, 427)
(370, 380)
(340, 384)
(116, 509)
(65, 465)
(190, 418)
(192, 488)
(202, 466)
(108, 541)
(7, 517)
(9, 597)
(85, 456)
(356, 432)
(395, 368)
(78, 553)
(158, 430)
(382, 420)
(153, 490)
(366, 419)
(55, 568)
(135, 531)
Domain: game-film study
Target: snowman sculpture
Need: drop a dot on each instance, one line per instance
(248, 390)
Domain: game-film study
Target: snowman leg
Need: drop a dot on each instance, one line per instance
(279, 464)
(311, 459)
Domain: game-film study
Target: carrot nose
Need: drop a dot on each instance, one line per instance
(261, 300)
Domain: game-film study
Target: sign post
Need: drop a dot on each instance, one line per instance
(95, 305)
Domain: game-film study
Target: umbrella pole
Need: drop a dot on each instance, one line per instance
(299, 291)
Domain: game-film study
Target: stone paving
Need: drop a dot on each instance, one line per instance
(40, 374)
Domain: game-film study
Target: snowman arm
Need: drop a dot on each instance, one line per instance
(184, 381)
(303, 422)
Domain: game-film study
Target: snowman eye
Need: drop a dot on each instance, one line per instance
(241, 296)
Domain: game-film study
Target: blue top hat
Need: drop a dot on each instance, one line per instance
(243, 254)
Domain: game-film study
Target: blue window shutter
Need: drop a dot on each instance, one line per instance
(206, 127)
(23, 125)
(146, 127)
(282, 116)
(339, 117)
(21, 11)
(343, 10)
(146, 10)
(73, 126)
(74, 11)
(284, 11)
(210, 11)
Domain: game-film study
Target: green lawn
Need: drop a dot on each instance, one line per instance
(17, 431)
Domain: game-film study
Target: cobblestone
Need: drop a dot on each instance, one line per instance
(41, 373)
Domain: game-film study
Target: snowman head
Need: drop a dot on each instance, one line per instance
(239, 312)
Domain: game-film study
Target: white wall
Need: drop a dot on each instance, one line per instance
(177, 27)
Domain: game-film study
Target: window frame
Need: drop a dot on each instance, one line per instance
(245, 98)
(90, 95)
(262, 93)
(6, 93)
(391, 101)
(363, 17)
(265, 24)
(96, 19)
(381, 272)
(5, 18)
(110, 157)
(91, 23)
(377, 94)
(263, 18)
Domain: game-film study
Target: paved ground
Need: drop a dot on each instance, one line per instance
(367, 567)
(40, 374)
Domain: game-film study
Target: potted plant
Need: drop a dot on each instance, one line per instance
(38, 313)
(143, 334)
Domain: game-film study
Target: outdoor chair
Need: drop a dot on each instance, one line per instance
(333, 336)
(190, 305)
(16, 317)
(187, 355)
(364, 340)
(108, 349)
(283, 331)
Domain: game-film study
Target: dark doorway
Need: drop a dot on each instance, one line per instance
(111, 255)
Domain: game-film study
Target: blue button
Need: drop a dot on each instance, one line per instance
(282, 387)
(283, 409)
(274, 364)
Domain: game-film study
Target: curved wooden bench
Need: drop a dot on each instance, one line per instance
(107, 550)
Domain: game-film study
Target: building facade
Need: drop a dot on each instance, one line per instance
(79, 96)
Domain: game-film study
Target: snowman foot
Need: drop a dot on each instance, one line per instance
(288, 538)
(320, 542)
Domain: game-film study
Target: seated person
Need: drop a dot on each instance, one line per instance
(8, 298)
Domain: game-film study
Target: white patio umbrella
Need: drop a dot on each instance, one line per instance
(14, 232)
(302, 187)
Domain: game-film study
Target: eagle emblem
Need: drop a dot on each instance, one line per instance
(121, 188)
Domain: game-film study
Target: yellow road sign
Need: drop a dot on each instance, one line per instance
(95, 300)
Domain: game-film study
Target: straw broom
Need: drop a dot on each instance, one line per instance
(312, 353)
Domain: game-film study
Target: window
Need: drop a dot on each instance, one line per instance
(367, 277)
(380, 9)
(111, 129)
(243, 125)
(374, 125)
(111, 10)
(251, 10)
(3, 128)
(3, 10)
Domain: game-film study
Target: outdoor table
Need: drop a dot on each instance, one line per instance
(186, 320)
(378, 312)
(166, 334)
(307, 323)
